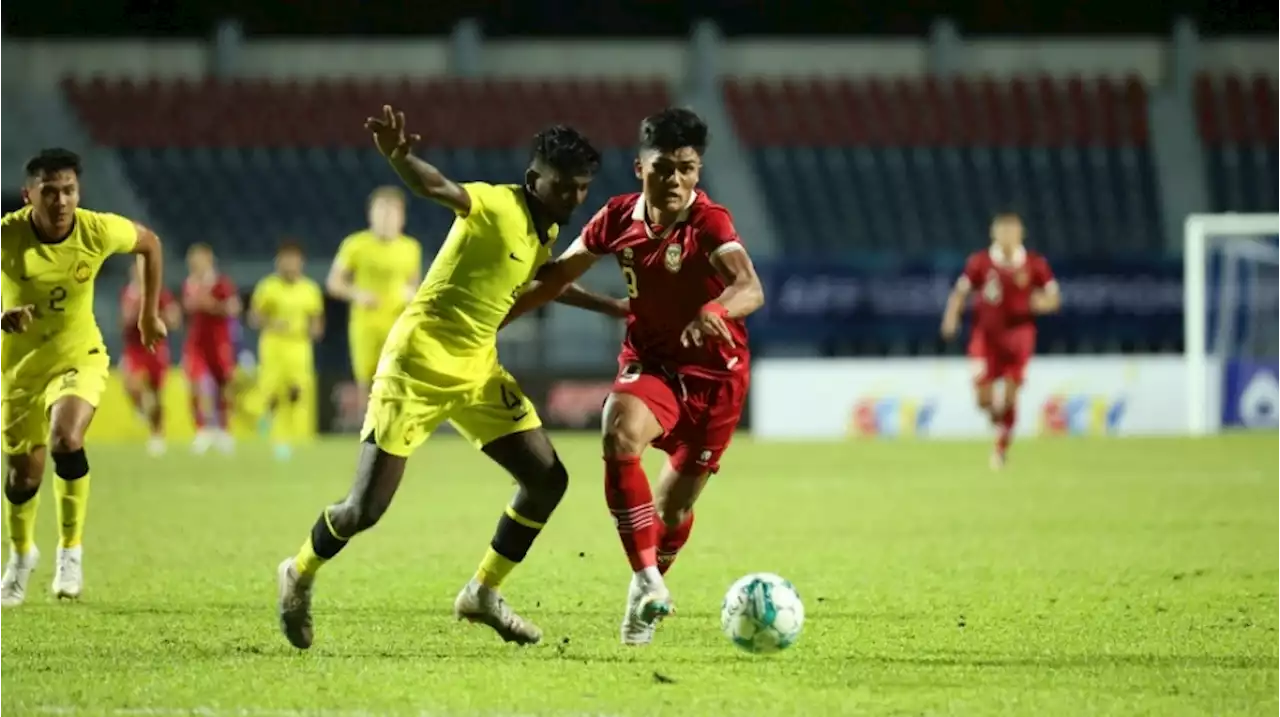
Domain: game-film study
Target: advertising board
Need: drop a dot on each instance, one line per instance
(803, 399)
(1250, 393)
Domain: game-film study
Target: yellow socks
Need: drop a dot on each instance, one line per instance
(306, 561)
(511, 541)
(494, 569)
(21, 521)
(73, 506)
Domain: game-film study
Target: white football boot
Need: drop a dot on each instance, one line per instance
(203, 442)
(295, 605)
(484, 605)
(17, 573)
(156, 446)
(225, 442)
(647, 604)
(68, 577)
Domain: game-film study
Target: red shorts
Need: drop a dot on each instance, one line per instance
(152, 367)
(217, 362)
(1002, 356)
(698, 415)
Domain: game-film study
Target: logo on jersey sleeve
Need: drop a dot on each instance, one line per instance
(673, 257)
(82, 272)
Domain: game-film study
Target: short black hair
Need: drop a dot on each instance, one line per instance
(290, 245)
(52, 160)
(565, 149)
(673, 128)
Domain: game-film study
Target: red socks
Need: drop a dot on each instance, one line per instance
(671, 541)
(1004, 427)
(626, 489)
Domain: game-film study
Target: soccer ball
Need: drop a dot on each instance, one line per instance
(762, 613)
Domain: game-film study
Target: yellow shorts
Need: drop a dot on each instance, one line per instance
(26, 403)
(280, 372)
(366, 339)
(419, 385)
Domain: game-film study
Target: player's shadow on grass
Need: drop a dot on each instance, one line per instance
(1221, 662)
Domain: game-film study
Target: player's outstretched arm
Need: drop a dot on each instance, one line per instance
(555, 281)
(955, 307)
(150, 255)
(420, 177)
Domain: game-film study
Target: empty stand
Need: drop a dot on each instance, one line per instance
(1237, 122)
(918, 165)
(242, 163)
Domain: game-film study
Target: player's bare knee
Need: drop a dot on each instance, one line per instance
(65, 439)
(22, 477)
(623, 437)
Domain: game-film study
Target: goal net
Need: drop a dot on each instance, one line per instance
(1231, 264)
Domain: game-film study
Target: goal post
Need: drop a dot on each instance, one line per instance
(1242, 251)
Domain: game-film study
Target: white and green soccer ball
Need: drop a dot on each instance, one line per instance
(762, 613)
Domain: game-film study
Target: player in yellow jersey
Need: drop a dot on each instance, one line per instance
(288, 310)
(377, 271)
(53, 364)
(441, 363)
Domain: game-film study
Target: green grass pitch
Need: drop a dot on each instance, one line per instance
(1092, 577)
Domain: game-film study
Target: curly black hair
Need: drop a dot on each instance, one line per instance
(52, 160)
(673, 128)
(565, 149)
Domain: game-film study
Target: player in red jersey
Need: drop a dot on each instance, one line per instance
(1014, 286)
(684, 365)
(211, 302)
(144, 369)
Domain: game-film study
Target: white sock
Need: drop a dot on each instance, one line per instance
(650, 577)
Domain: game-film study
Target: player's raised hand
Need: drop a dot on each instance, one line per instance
(16, 321)
(389, 135)
(152, 328)
(710, 324)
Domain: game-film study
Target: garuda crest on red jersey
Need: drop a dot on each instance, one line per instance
(991, 289)
(673, 257)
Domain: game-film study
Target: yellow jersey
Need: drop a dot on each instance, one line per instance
(382, 267)
(287, 309)
(486, 262)
(57, 279)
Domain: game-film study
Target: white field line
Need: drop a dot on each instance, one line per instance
(277, 712)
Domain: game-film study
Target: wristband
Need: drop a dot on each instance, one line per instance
(715, 307)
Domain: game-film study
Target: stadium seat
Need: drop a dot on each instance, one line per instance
(292, 159)
(1237, 123)
(916, 166)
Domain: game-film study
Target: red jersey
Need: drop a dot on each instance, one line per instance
(203, 328)
(1004, 288)
(131, 306)
(669, 277)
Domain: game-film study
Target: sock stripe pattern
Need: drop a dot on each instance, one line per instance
(630, 500)
(631, 520)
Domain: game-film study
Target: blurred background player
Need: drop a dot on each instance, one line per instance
(377, 271)
(144, 368)
(1014, 286)
(441, 363)
(212, 305)
(684, 362)
(288, 310)
(53, 363)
